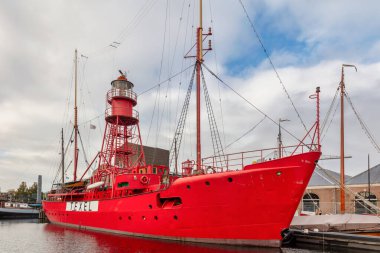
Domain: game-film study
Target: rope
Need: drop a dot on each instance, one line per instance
(248, 102)
(362, 124)
(217, 71)
(328, 127)
(329, 110)
(272, 65)
(250, 130)
(167, 80)
(366, 204)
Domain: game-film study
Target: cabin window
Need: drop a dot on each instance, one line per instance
(123, 184)
(154, 170)
(362, 207)
(310, 202)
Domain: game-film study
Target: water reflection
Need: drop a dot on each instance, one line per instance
(72, 240)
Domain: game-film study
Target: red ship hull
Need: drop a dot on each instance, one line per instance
(247, 207)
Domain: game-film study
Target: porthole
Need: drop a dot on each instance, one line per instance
(229, 179)
(207, 183)
(175, 217)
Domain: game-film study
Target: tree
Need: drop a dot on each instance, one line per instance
(22, 192)
(32, 191)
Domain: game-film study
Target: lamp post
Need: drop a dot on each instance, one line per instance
(279, 140)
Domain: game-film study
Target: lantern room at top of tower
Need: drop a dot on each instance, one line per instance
(120, 102)
(122, 83)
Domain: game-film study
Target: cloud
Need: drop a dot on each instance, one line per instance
(307, 42)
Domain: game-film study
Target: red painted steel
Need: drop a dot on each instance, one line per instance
(249, 207)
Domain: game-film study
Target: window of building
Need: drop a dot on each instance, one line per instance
(361, 207)
(310, 202)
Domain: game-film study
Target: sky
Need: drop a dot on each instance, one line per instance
(307, 42)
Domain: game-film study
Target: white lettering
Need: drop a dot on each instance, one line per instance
(82, 206)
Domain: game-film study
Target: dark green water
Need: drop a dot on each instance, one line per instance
(31, 236)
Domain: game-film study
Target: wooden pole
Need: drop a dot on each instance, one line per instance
(75, 118)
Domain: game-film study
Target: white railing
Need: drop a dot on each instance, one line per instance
(114, 92)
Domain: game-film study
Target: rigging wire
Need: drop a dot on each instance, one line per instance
(84, 152)
(170, 70)
(215, 137)
(158, 98)
(142, 93)
(176, 144)
(182, 62)
(329, 111)
(126, 31)
(246, 133)
(64, 152)
(246, 100)
(273, 67)
(362, 124)
(166, 80)
(366, 204)
(328, 126)
(217, 72)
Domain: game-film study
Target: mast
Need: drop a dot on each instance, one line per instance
(199, 61)
(75, 119)
(342, 190)
(62, 158)
(342, 183)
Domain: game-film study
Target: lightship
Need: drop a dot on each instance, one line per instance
(223, 199)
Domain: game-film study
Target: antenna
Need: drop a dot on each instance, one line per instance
(123, 74)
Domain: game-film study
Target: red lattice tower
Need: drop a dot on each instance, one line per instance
(122, 146)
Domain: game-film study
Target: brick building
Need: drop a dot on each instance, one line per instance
(323, 192)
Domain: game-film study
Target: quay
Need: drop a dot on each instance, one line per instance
(369, 242)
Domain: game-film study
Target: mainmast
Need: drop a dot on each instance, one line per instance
(75, 119)
(199, 61)
(342, 182)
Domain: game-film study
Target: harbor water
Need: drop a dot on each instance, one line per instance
(32, 236)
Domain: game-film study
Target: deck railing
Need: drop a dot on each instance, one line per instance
(236, 161)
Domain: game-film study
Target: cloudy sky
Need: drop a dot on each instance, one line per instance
(307, 41)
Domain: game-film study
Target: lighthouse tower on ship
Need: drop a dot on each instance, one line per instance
(122, 147)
